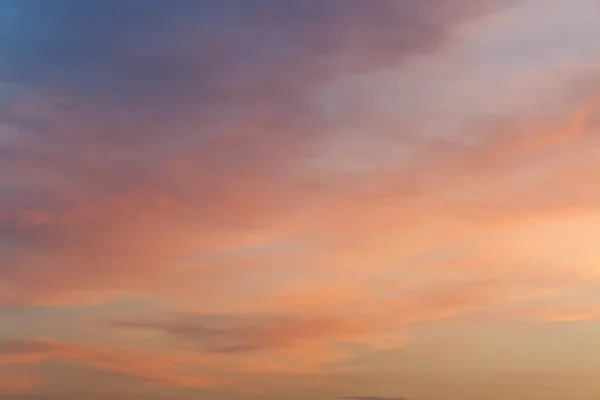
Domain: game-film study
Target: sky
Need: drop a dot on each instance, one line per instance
(299, 200)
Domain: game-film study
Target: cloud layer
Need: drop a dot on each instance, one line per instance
(287, 186)
(152, 123)
(372, 398)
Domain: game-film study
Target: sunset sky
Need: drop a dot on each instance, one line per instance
(299, 199)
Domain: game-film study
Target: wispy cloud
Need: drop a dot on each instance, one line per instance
(150, 139)
(11, 382)
(156, 369)
(289, 184)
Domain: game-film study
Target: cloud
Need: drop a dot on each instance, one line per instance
(154, 369)
(14, 382)
(168, 368)
(243, 333)
(231, 161)
(78, 395)
(372, 398)
(140, 135)
(159, 230)
(210, 50)
(320, 340)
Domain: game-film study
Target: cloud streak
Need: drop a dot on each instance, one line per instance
(372, 398)
(287, 185)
